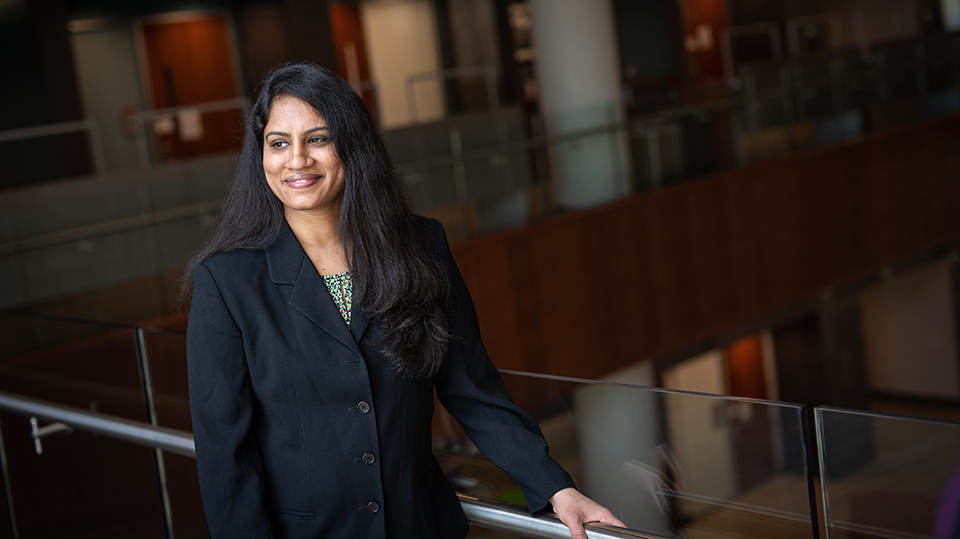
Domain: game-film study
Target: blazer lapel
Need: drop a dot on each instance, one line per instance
(358, 322)
(290, 265)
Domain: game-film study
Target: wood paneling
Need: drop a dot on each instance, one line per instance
(585, 293)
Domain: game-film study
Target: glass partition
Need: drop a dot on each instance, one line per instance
(888, 476)
(81, 484)
(473, 172)
(77, 363)
(668, 463)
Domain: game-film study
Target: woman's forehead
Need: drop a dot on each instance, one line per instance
(291, 112)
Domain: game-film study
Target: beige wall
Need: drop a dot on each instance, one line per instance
(909, 327)
(401, 40)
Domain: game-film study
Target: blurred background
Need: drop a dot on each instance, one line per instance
(752, 198)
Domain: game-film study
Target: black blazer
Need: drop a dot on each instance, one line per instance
(303, 430)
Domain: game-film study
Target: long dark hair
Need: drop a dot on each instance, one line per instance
(394, 280)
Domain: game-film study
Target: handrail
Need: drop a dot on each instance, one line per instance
(480, 511)
(204, 107)
(512, 518)
(128, 430)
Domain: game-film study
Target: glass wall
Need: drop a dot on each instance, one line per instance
(888, 476)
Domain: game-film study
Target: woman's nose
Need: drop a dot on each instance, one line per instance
(299, 158)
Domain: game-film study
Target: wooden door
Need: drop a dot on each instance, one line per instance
(190, 63)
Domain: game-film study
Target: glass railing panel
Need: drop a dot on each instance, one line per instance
(771, 109)
(194, 181)
(56, 151)
(939, 67)
(497, 182)
(706, 142)
(669, 463)
(762, 78)
(588, 150)
(77, 205)
(433, 185)
(177, 241)
(497, 154)
(87, 265)
(482, 130)
(411, 144)
(857, 88)
(945, 102)
(13, 291)
(888, 476)
(817, 99)
(470, 172)
(84, 364)
(82, 485)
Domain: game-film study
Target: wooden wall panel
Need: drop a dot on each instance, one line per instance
(585, 293)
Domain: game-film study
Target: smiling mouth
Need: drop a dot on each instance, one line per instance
(301, 181)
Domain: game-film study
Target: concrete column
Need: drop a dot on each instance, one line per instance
(951, 14)
(578, 74)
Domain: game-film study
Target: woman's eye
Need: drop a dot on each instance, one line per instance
(278, 144)
(317, 140)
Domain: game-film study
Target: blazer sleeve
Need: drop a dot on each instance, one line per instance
(470, 388)
(222, 409)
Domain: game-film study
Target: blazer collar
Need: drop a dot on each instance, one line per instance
(290, 265)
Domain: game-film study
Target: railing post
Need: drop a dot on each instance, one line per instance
(161, 468)
(14, 532)
(459, 166)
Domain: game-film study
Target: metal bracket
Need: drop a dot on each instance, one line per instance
(37, 432)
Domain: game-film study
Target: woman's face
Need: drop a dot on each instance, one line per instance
(299, 158)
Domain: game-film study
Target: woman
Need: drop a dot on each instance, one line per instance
(323, 316)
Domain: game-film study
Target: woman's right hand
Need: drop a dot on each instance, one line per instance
(574, 510)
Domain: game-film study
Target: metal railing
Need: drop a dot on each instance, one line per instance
(80, 126)
(151, 116)
(479, 511)
(489, 73)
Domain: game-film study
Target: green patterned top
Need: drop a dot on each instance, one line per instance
(341, 290)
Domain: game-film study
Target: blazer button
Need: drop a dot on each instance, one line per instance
(363, 407)
(373, 507)
(369, 458)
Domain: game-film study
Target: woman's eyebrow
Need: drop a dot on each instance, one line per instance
(307, 132)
